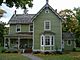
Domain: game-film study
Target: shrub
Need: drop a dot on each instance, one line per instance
(74, 49)
(2, 50)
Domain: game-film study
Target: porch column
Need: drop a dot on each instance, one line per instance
(4, 41)
(9, 42)
(18, 42)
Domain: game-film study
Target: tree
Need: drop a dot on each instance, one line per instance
(69, 24)
(77, 14)
(18, 3)
(3, 31)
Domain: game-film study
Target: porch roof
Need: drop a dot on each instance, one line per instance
(20, 34)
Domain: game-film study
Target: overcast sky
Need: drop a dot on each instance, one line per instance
(38, 4)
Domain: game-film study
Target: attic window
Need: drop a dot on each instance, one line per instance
(46, 11)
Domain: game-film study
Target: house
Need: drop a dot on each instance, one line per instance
(36, 32)
(68, 41)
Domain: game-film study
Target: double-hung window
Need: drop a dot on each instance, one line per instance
(31, 28)
(47, 40)
(18, 28)
(47, 25)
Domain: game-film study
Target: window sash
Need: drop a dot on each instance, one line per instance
(69, 42)
(47, 40)
(18, 28)
(47, 25)
(31, 28)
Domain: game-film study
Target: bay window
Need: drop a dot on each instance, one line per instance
(47, 40)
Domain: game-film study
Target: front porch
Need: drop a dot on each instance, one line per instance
(22, 42)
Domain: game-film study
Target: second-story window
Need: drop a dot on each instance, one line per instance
(47, 25)
(18, 28)
(31, 28)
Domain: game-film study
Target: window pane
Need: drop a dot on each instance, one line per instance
(47, 40)
(42, 40)
(18, 28)
(52, 41)
(31, 27)
(69, 42)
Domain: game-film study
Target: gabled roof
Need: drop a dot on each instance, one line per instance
(50, 9)
(28, 18)
(21, 19)
(68, 36)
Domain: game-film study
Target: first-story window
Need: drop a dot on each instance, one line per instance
(47, 40)
(52, 38)
(42, 40)
(69, 42)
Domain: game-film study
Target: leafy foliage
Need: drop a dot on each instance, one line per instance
(18, 3)
(3, 31)
(70, 22)
(77, 14)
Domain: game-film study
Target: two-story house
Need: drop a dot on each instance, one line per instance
(39, 32)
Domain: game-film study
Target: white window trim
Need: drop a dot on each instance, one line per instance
(44, 40)
(70, 43)
(20, 28)
(29, 28)
(49, 25)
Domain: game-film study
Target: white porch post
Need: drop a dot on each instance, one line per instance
(4, 41)
(9, 42)
(18, 42)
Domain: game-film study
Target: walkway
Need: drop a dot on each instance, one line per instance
(32, 57)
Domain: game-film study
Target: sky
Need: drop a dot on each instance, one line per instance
(37, 5)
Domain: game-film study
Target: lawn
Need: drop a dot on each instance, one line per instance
(70, 56)
(11, 56)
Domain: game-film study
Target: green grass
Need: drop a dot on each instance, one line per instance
(11, 56)
(70, 56)
(78, 49)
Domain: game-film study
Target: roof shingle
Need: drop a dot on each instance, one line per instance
(21, 19)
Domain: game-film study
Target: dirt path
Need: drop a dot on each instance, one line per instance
(32, 57)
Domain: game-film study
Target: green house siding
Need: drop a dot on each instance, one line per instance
(24, 28)
(56, 27)
(12, 29)
(68, 47)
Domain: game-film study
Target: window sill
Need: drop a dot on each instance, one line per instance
(47, 45)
